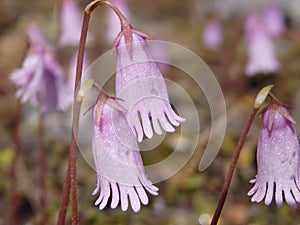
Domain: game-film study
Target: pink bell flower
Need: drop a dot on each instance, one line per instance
(213, 35)
(40, 80)
(261, 53)
(140, 84)
(70, 21)
(277, 159)
(119, 166)
(274, 20)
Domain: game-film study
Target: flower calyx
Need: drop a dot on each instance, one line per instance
(275, 106)
(103, 99)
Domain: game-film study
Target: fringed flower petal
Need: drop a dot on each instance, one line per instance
(277, 161)
(140, 84)
(119, 166)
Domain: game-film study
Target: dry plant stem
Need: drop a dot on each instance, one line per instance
(232, 166)
(42, 170)
(16, 148)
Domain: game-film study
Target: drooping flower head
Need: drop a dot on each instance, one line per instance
(70, 21)
(277, 159)
(119, 166)
(41, 78)
(261, 53)
(274, 20)
(113, 21)
(140, 84)
(213, 35)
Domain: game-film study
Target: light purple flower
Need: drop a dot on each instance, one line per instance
(140, 84)
(261, 53)
(41, 78)
(274, 20)
(277, 159)
(114, 26)
(70, 21)
(119, 166)
(212, 35)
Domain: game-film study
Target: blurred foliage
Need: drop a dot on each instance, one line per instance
(187, 196)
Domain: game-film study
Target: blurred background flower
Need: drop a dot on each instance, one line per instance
(41, 78)
(213, 35)
(189, 197)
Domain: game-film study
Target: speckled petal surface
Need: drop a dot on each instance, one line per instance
(118, 163)
(140, 84)
(277, 162)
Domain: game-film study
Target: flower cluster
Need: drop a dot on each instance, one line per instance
(143, 93)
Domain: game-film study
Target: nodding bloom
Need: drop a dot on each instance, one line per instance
(41, 78)
(213, 35)
(70, 21)
(274, 20)
(277, 159)
(261, 53)
(119, 166)
(113, 21)
(140, 84)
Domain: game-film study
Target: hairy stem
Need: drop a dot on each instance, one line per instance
(14, 194)
(233, 163)
(42, 170)
(70, 184)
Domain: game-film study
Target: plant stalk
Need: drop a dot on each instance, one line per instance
(70, 184)
(233, 163)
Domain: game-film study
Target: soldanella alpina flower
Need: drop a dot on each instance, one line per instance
(213, 35)
(140, 84)
(261, 53)
(119, 166)
(41, 78)
(274, 20)
(70, 22)
(277, 159)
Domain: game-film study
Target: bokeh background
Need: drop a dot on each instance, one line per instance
(189, 197)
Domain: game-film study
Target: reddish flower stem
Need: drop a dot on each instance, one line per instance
(42, 170)
(14, 194)
(65, 198)
(233, 163)
(70, 184)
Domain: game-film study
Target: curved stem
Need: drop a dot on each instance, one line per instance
(232, 166)
(90, 8)
(70, 184)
